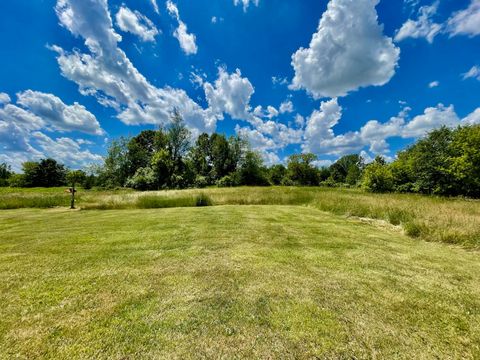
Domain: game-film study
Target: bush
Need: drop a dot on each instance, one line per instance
(200, 182)
(413, 229)
(227, 181)
(203, 200)
(378, 178)
(144, 179)
(16, 180)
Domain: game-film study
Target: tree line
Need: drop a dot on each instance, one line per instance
(445, 162)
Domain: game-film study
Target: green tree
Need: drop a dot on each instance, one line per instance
(463, 162)
(201, 155)
(220, 156)
(163, 168)
(301, 171)
(46, 173)
(178, 144)
(277, 174)
(252, 171)
(5, 174)
(141, 149)
(348, 165)
(378, 177)
(116, 166)
(426, 162)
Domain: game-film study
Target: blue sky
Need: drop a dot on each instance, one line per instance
(330, 77)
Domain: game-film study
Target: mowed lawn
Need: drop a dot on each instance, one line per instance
(259, 282)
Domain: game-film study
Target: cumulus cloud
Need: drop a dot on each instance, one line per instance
(434, 84)
(231, 94)
(245, 3)
(466, 22)
(20, 128)
(473, 73)
(347, 52)
(136, 23)
(423, 27)
(187, 41)
(108, 74)
(318, 129)
(433, 117)
(65, 150)
(57, 115)
(4, 98)
(473, 118)
(320, 138)
(286, 107)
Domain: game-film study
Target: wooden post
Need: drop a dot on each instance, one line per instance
(72, 199)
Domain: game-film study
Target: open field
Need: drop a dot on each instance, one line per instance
(455, 221)
(230, 282)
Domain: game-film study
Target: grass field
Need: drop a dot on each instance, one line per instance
(259, 282)
(453, 221)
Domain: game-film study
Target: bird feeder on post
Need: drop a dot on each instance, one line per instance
(72, 198)
(73, 178)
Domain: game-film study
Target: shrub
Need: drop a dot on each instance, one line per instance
(378, 178)
(144, 179)
(203, 200)
(413, 229)
(227, 181)
(200, 182)
(16, 180)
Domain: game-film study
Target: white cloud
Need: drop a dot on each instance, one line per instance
(279, 80)
(473, 73)
(320, 138)
(347, 52)
(473, 118)
(187, 41)
(197, 79)
(286, 107)
(230, 94)
(155, 6)
(57, 115)
(65, 150)
(411, 3)
(466, 22)
(20, 131)
(23, 119)
(271, 112)
(136, 23)
(432, 118)
(423, 27)
(319, 126)
(107, 73)
(245, 3)
(299, 120)
(4, 98)
(434, 84)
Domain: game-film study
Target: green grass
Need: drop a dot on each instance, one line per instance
(454, 221)
(258, 282)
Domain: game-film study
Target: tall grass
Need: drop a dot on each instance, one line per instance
(455, 221)
(43, 202)
(158, 202)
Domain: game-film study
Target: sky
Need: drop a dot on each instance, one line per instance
(328, 77)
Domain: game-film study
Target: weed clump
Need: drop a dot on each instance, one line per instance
(203, 200)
